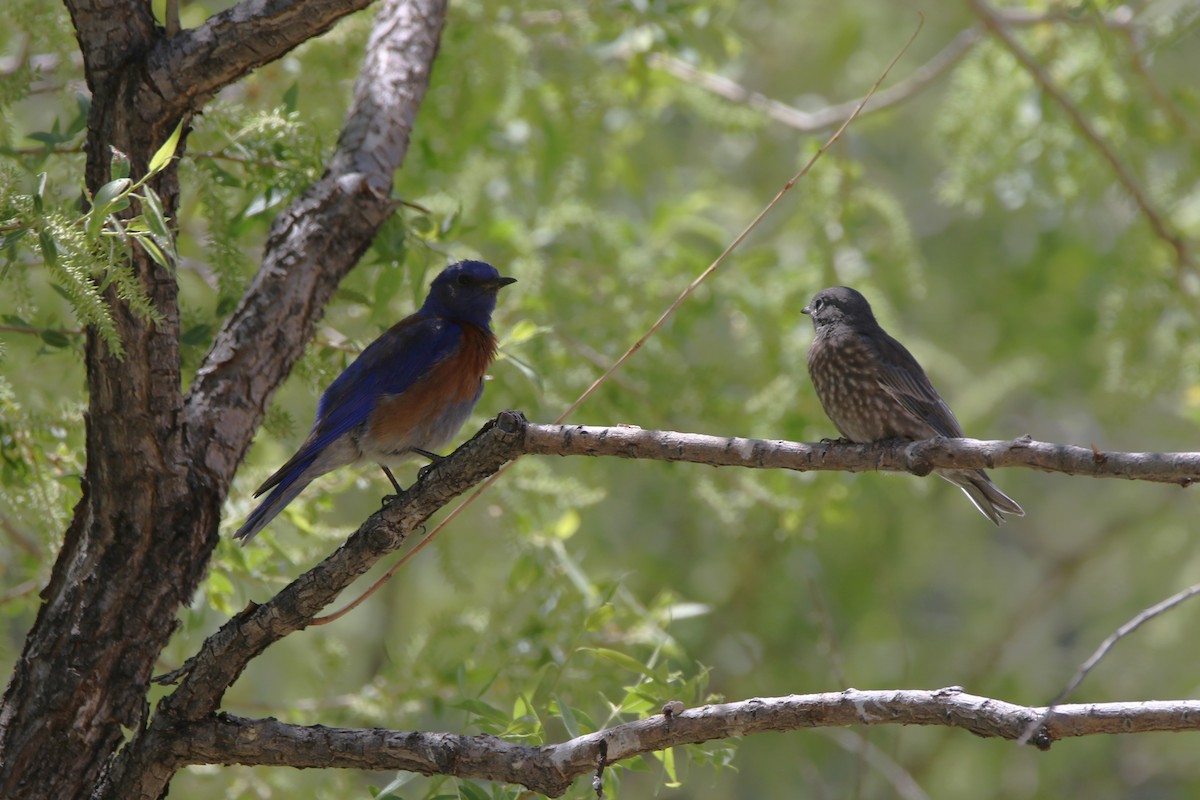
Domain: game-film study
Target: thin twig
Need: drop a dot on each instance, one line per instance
(39, 331)
(808, 122)
(1126, 177)
(172, 18)
(683, 296)
(221, 155)
(1141, 618)
(45, 150)
(1161, 98)
(901, 779)
(22, 589)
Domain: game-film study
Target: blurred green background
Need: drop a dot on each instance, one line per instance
(990, 237)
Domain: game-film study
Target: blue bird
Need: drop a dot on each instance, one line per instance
(407, 394)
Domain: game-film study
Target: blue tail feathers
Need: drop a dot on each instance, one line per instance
(284, 493)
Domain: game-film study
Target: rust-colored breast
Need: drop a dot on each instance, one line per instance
(431, 410)
(467, 367)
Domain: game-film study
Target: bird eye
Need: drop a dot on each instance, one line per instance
(463, 280)
(817, 303)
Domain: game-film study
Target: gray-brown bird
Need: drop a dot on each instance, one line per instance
(872, 389)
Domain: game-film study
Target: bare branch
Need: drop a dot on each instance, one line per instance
(190, 66)
(551, 769)
(828, 116)
(223, 656)
(919, 458)
(1139, 619)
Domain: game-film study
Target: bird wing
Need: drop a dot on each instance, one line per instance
(390, 365)
(903, 379)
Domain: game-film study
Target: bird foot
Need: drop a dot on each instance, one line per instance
(838, 440)
(434, 460)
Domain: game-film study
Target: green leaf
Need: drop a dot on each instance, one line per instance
(471, 791)
(220, 593)
(387, 285)
(264, 202)
(153, 211)
(290, 96)
(399, 782)
(118, 167)
(12, 237)
(567, 525)
(110, 193)
(39, 194)
(618, 658)
(49, 138)
(523, 331)
(55, 338)
(49, 248)
(600, 617)
(567, 715)
(522, 707)
(196, 335)
(164, 154)
(155, 252)
(484, 711)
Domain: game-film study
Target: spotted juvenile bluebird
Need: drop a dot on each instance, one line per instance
(406, 395)
(872, 388)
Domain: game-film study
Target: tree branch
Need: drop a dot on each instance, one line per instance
(310, 248)
(550, 769)
(112, 26)
(223, 656)
(919, 458)
(827, 117)
(189, 67)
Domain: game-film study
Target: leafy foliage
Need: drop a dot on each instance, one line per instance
(990, 237)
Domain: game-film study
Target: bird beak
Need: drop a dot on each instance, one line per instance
(501, 282)
(806, 310)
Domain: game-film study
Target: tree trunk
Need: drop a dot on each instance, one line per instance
(144, 528)
(159, 464)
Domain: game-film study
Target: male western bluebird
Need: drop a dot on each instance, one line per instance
(872, 389)
(407, 394)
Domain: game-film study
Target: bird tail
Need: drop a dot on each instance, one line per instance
(284, 493)
(984, 494)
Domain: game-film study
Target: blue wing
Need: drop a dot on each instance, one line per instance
(389, 366)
